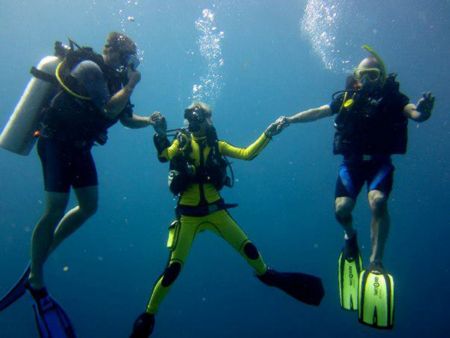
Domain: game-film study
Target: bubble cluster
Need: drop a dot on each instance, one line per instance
(209, 44)
(320, 24)
(126, 15)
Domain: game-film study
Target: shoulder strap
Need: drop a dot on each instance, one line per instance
(72, 58)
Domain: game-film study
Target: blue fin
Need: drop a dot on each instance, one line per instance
(51, 319)
(17, 291)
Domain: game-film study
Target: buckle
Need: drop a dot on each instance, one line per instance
(213, 208)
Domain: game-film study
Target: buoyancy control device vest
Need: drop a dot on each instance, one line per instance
(212, 170)
(372, 125)
(71, 116)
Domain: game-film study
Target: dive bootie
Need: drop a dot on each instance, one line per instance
(349, 269)
(376, 297)
(51, 319)
(303, 287)
(143, 326)
(17, 291)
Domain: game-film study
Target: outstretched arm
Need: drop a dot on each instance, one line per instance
(310, 114)
(422, 111)
(248, 153)
(135, 121)
(256, 147)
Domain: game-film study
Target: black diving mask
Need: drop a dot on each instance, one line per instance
(195, 117)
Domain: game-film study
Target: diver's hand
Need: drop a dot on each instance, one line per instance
(134, 76)
(184, 140)
(425, 106)
(274, 128)
(284, 121)
(159, 123)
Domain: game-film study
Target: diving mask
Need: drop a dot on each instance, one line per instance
(368, 74)
(131, 61)
(195, 117)
(196, 114)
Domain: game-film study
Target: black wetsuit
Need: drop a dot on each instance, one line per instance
(72, 126)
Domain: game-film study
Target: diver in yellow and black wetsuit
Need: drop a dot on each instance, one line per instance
(198, 172)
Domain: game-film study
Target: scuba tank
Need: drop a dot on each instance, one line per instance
(18, 136)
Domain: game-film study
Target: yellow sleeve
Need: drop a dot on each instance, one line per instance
(248, 153)
(171, 151)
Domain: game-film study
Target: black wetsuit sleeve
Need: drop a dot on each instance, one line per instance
(91, 77)
(336, 103)
(161, 144)
(400, 101)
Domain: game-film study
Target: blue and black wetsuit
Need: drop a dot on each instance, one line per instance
(70, 128)
(368, 132)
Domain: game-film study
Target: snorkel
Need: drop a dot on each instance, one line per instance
(381, 63)
(373, 66)
(371, 72)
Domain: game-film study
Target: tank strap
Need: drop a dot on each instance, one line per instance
(39, 74)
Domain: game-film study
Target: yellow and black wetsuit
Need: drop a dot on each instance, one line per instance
(200, 195)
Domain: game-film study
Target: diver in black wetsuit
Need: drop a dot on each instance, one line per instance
(93, 93)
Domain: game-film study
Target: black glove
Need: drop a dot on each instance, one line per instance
(159, 123)
(425, 105)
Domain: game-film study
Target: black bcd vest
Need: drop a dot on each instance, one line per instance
(373, 125)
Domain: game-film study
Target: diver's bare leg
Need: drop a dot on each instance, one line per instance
(43, 235)
(380, 224)
(343, 212)
(87, 206)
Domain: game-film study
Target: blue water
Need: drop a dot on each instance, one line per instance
(262, 63)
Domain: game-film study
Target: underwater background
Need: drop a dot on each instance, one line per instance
(253, 61)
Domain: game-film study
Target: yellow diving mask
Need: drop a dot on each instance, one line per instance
(371, 74)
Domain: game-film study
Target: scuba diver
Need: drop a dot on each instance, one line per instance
(198, 171)
(371, 125)
(91, 93)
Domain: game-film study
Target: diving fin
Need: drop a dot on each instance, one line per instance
(348, 274)
(376, 298)
(51, 319)
(17, 291)
(303, 287)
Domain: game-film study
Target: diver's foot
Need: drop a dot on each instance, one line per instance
(36, 293)
(376, 266)
(143, 326)
(350, 250)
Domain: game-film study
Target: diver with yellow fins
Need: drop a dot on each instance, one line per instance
(198, 171)
(371, 125)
